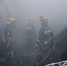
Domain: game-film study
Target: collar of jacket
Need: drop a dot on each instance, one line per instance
(8, 23)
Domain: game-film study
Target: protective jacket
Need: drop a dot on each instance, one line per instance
(30, 31)
(45, 35)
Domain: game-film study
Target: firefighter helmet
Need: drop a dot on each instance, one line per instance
(43, 18)
(11, 20)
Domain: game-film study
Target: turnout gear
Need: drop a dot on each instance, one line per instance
(8, 31)
(55, 53)
(30, 31)
(45, 35)
(30, 35)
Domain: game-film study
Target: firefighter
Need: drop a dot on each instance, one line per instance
(30, 35)
(8, 40)
(45, 34)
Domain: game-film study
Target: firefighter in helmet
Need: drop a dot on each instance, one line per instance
(8, 39)
(45, 34)
(30, 35)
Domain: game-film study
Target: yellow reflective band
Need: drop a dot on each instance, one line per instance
(38, 40)
(8, 34)
(8, 53)
(46, 42)
(47, 31)
(28, 28)
(36, 45)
